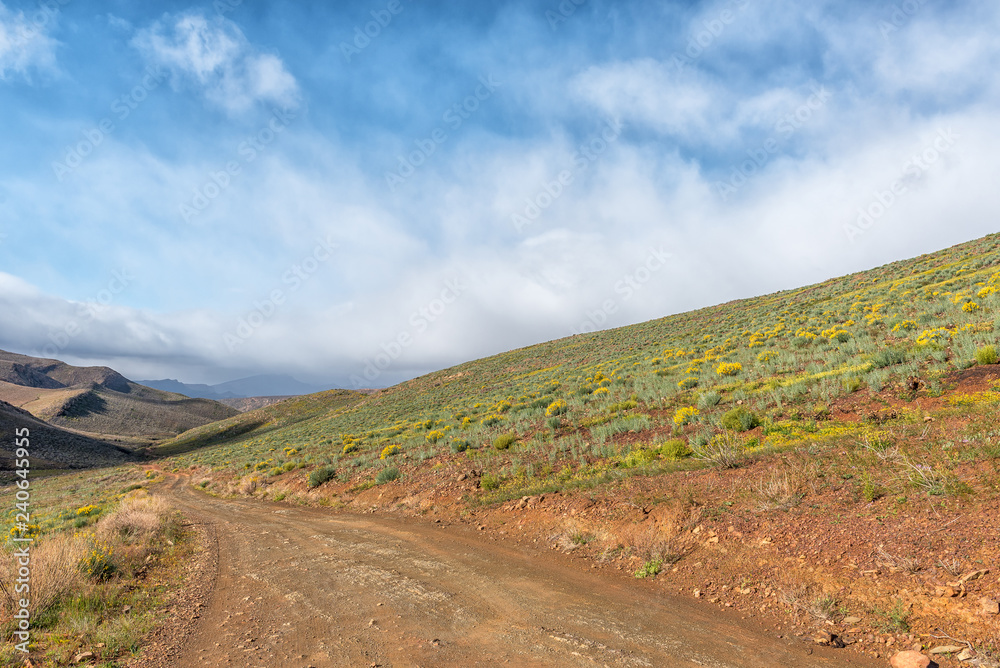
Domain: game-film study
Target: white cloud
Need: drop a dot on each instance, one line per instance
(25, 43)
(650, 92)
(215, 56)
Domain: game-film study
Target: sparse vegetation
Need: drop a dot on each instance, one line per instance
(321, 475)
(650, 569)
(387, 474)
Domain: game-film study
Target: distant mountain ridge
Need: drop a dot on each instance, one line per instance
(99, 402)
(267, 385)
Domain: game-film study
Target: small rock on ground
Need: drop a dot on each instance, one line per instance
(910, 659)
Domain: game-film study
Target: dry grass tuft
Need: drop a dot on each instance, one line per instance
(777, 492)
(906, 564)
(54, 573)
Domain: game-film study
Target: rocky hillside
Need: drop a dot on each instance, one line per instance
(100, 401)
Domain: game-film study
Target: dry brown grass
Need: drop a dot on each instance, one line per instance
(777, 492)
(54, 573)
(134, 531)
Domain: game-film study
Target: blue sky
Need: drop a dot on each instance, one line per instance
(207, 191)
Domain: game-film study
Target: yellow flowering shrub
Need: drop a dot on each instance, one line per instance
(87, 510)
(729, 368)
(904, 326)
(390, 451)
(937, 335)
(970, 307)
(767, 356)
(25, 531)
(434, 436)
(99, 564)
(557, 407)
(687, 383)
(684, 415)
(601, 390)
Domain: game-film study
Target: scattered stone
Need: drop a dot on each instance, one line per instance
(974, 575)
(910, 659)
(463, 478)
(83, 656)
(945, 592)
(822, 638)
(850, 620)
(966, 654)
(946, 649)
(988, 606)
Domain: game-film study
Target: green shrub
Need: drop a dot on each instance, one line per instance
(871, 490)
(321, 475)
(623, 406)
(489, 482)
(886, 358)
(687, 383)
(853, 384)
(893, 620)
(675, 448)
(739, 419)
(554, 422)
(504, 441)
(987, 355)
(458, 446)
(649, 569)
(387, 475)
(709, 399)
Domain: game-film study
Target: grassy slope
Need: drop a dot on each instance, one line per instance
(791, 373)
(276, 417)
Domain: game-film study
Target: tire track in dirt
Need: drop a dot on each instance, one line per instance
(303, 587)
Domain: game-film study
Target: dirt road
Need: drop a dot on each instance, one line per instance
(302, 587)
